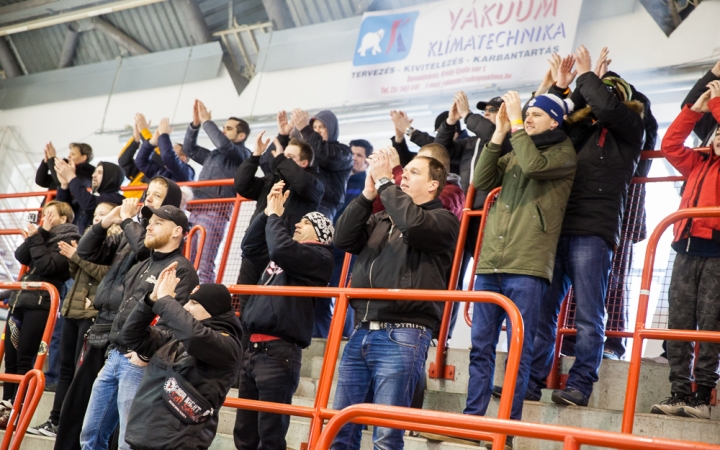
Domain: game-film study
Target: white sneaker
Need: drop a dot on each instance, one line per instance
(670, 406)
(696, 408)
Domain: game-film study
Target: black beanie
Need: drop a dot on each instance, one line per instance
(174, 194)
(215, 298)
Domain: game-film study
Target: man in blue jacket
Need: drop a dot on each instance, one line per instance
(174, 161)
(217, 164)
(279, 327)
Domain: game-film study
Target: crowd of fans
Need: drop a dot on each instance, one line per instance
(150, 347)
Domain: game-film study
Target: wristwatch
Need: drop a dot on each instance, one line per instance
(382, 181)
(409, 131)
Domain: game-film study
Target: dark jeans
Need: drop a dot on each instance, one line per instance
(20, 360)
(525, 291)
(270, 373)
(584, 263)
(249, 274)
(77, 398)
(694, 303)
(71, 345)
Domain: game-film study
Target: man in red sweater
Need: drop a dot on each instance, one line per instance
(694, 294)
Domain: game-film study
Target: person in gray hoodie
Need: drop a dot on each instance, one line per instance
(217, 164)
(332, 158)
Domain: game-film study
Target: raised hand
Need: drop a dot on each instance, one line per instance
(164, 127)
(300, 118)
(49, 151)
(453, 114)
(137, 135)
(260, 144)
(381, 166)
(502, 121)
(513, 107)
(141, 122)
(128, 209)
(65, 171)
(583, 60)
(154, 295)
(278, 148)
(566, 74)
(155, 137)
(276, 199)
(701, 104)
(285, 127)
(602, 63)
(112, 218)
(196, 114)
(168, 281)
(31, 230)
(714, 89)
(462, 102)
(203, 112)
(67, 250)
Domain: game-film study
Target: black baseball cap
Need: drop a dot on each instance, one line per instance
(168, 212)
(495, 101)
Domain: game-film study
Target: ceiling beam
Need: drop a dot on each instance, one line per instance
(197, 27)
(119, 36)
(68, 51)
(7, 60)
(85, 13)
(27, 4)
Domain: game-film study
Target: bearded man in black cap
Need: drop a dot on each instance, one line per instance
(118, 381)
(279, 326)
(196, 355)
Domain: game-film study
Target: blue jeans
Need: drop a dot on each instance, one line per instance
(53, 373)
(112, 395)
(584, 263)
(381, 367)
(525, 291)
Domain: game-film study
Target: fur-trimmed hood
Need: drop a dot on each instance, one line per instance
(584, 113)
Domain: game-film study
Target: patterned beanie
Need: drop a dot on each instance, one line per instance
(553, 105)
(322, 225)
(619, 87)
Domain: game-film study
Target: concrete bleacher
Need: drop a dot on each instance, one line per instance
(604, 411)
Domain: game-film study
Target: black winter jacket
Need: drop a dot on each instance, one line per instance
(268, 244)
(140, 281)
(207, 354)
(407, 246)
(306, 189)
(120, 252)
(217, 164)
(41, 253)
(84, 202)
(47, 178)
(334, 161)
(608, 153)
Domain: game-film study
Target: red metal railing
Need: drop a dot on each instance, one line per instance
(476, 427)
(197, 229)
(34, 379)
(27, 398)
(643, 332)
(319, 412)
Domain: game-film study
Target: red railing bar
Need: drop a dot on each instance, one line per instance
(201, 244)
(345, 270)
(32, 383)
(229, 237)
(641, 332)
(470, 426)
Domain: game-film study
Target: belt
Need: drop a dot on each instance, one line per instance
(260, 346)
(373, 325)
(257, 337)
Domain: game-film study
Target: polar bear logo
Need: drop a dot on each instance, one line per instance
(371, 41)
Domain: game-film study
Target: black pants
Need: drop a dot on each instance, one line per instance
(77, 398)
(71, 344)
(249, 274)
(20, 360)
(271, 373)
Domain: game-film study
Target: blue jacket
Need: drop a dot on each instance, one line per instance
(172, 167)
(217, 164)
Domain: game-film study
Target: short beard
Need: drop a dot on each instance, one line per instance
(156, 242)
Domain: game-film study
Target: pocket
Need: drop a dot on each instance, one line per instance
(539, 217)
(407, 337)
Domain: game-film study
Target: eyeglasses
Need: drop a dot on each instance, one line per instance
(489, 111)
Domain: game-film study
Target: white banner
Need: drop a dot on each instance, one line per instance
(453, 44)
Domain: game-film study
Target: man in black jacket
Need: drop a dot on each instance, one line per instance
(217, 164)
(79, 154)
(106, 181)
(607, 133)
(117, 382)
(121, 252)
(291, 166)
(279, 327)
(410, 245)
(200, 341)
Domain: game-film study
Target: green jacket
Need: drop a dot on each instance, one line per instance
(523, 227)
(87, 278)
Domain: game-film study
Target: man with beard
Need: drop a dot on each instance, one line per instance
(106, 181)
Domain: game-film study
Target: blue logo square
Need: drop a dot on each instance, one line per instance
(385, 38)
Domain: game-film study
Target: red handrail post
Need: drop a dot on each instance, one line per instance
(553, 379)
(200, 246)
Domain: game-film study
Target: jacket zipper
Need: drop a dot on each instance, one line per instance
(698, 189)
(367, 306)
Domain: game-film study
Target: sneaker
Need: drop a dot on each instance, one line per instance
(5, 418)
(569, 396)
(497, 392)
(609, 354)
(508, 444)
(670, 406)
(697, 408)
(46, 429)
(5, 404)
(51, 387)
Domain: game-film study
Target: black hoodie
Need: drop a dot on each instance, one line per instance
(207, 354)
(84, 202)
(268, 244)
(120, 252)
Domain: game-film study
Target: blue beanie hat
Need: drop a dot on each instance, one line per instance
(553, 105)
